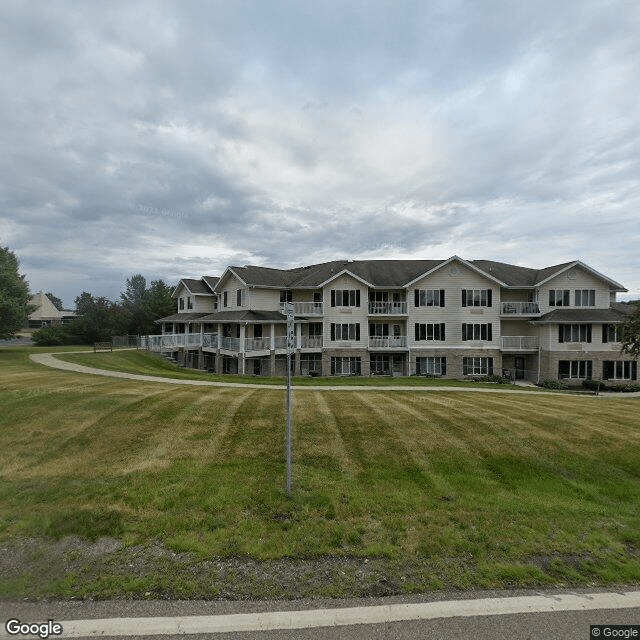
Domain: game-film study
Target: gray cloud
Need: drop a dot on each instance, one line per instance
(174, 139)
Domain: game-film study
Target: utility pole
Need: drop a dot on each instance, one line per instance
(290, 347)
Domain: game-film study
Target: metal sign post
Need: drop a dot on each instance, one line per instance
(290, 348)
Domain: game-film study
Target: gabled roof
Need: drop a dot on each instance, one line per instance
(544, 275)
(211, 281)
(194, 287)
(45, 309)
(397, 273)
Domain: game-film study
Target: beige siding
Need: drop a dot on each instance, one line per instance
(575, 278)
(453, 314)
(264, 299)
(346, 315)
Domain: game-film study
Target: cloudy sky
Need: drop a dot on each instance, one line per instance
(174, 138)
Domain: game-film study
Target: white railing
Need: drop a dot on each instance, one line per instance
(519, 343)
(520, 308)
(210, 340)
(311, 342)
(305, 308)
(388, 342)
(257, 344)
(280, 342)
(387, 308)
(169, 341)
(230, 344)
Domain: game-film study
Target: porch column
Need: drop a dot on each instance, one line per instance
(273, 336)
(296, 364)
(241, 357)
(219, 335)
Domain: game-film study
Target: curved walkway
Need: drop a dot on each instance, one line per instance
(49, 360)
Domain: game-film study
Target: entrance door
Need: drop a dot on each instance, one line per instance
(398, 365)
(518, 365)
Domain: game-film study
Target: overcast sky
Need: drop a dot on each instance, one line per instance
(175, 138)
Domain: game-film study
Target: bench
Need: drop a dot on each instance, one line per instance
(102, 346)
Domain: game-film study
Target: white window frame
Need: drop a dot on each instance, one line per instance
(479, 365)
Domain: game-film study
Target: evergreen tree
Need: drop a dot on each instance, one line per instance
(57, 303)
(630, 339)
(14, 295)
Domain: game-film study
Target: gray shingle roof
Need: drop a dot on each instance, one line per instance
(387, 273)
(182, 317)
(244, 316)
(582, 315)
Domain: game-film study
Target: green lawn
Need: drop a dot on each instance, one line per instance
(447, 489)
(145, 363)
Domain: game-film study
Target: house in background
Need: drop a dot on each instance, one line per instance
(46, 313)
(451, 318)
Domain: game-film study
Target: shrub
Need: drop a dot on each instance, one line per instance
(494, 378)
(626, 387)
(549, 383)
(51, 336)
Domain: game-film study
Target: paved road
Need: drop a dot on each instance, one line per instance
(561, 615)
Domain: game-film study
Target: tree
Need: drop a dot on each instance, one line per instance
(141, 306)
(57, 303)
(158, 304)
(14, 295)
(630, 340)
(97, 319)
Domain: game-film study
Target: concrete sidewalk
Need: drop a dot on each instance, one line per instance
(49, 360)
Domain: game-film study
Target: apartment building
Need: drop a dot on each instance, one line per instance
(452, 318)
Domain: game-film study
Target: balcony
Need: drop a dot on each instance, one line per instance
(519, 343)
(304, 308)
(390, 342)
(311, 342)
(520, 309)
(171, 341)
(387, 308)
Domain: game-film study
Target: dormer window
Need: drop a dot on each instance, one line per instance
(181, 305)
(189, 303)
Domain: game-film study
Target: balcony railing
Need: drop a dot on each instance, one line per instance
(257, 344)
(390, 342)
(520, 309)
(169, 341)
(519, 343)
(311, 342)
(305, 308)
(230, 344)
(387, 308)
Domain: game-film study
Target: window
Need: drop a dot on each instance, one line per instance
(241, 297)
(189, 303)
(317, 296)
(257, 331)
(436, 366)
(611, 333)
(619, 370)
(286, 296)
(574, 333)
(345, 297)
(429, 331)
(379, 330)
(379, 364)
(476, 297)
(429, 297)
(576, 369)
(477, 331)
(585, 297)
(315, 329)
(345, 366)
(181, 303)
(345, 331)
(378, 296)
(310, 362)
(559, 297)
(477, 366)
(224, 299)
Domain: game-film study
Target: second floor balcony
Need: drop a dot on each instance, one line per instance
(388, 342)
(387, 308)
(519, 343)
(304, 308)
(520, 309)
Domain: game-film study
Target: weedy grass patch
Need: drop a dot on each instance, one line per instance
(448, 489)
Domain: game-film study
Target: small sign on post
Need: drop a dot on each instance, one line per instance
(291, 337)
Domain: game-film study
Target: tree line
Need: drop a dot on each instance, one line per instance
(98, 318)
